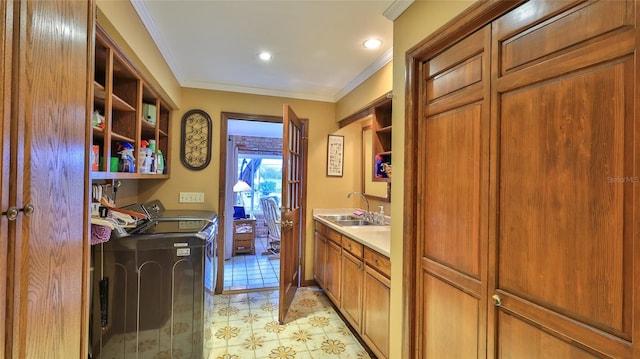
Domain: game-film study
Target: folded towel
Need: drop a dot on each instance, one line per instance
(99, 234)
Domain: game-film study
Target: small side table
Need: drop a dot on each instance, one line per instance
(244, 236)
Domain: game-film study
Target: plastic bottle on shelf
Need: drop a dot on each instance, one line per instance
(127, 161)
(160, 163)
(143, 157)
(153, 155)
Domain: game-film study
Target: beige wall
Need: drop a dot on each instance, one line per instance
(416, 23)
(323, 191)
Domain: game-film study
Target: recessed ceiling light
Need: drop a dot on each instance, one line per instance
(372, 43)
(265, 56)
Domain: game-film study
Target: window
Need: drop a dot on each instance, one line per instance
(264, 174)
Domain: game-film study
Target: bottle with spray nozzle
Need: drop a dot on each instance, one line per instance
(144, 157)
(127, 161)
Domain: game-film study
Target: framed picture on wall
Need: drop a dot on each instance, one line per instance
(335, 155)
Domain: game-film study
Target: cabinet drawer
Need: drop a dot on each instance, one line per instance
(334, 236)
(378, 261)
(352, 246)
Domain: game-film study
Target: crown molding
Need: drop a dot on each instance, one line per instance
(396, 9)
(147, 20)
(203, 85)
(364, 75)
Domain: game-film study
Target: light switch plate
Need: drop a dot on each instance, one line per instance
(191, 197)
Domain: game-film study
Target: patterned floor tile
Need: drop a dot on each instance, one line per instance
(313, 329)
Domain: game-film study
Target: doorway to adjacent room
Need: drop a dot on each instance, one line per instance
(253, 174)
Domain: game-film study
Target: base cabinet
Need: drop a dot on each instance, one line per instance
(333, 273)
(319, 258)
(357, 279)
(352, 288)
(327, 268)
(375, 312)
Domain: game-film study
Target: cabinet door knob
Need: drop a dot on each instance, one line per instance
(11, 213)
(497, 300)
(28, 209)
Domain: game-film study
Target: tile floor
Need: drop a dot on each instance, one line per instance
(247, 271)
(245, 325)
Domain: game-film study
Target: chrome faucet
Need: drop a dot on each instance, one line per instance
(367, 213)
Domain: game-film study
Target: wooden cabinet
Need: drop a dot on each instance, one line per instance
(381, 124)
(327, 265)
(364, 280)
(327, 261)
(376, 302)
(526, 146)
(44, 178)
(333, 271)
(352, 281)
(319, 256)
(126, 109)
(244, 236)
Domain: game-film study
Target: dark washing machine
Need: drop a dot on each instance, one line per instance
(154, 289)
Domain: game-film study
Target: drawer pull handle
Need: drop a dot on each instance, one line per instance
(497, 300)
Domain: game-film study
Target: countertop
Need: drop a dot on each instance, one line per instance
(377, 238)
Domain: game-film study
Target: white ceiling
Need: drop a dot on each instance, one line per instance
(316, 44)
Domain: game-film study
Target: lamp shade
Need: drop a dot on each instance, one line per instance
(241, 186)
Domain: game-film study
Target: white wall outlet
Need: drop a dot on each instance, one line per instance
(191, 197)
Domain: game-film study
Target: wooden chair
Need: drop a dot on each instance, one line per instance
(272, 218)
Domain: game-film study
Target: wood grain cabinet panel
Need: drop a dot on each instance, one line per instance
(319, 257)
(43, 142)
(333, 272)
(526, 228)
(352, 288)
(376, 307)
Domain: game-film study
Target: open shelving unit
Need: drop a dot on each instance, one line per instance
(121, 95)
(381, 124)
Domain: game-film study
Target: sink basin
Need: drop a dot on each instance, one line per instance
(349, 220)
(355, 223)
(344, 217)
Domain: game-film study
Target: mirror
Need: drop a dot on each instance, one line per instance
(370, 188)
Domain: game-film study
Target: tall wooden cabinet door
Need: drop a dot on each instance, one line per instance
(50, 113)
(5, 160)
(451, 236)
(568, 182)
